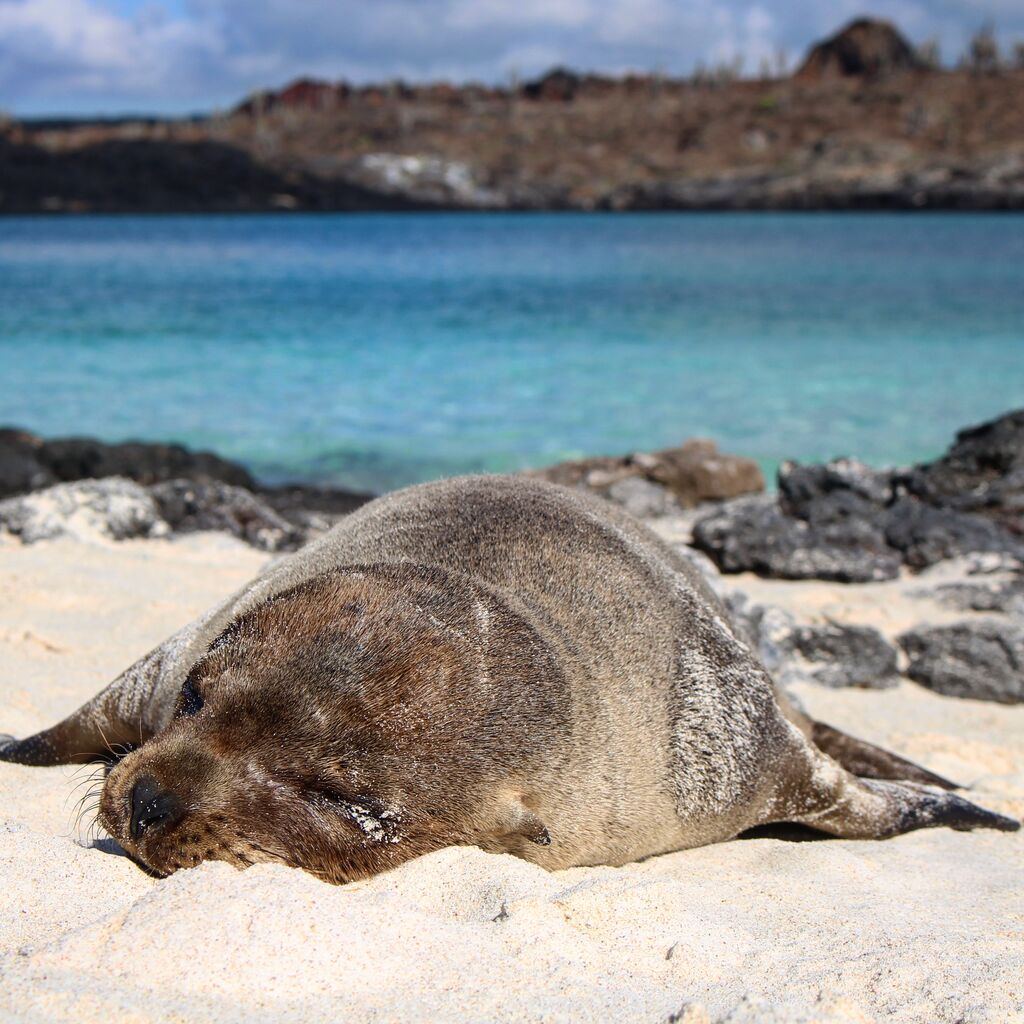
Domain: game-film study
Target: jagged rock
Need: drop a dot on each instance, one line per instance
(694, 472)
(79, 458)
(983, 472)
(697, 471)
(839, 655)
(188, 506)
(311, 507)
(865, 47)
(981, 658)
(800, 487)
(845, 521)
(1005, 596)
(755, 535)
(830, 654)
(112, 509)
(926, 534)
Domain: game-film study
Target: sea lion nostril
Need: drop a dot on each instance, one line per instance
(151, 806)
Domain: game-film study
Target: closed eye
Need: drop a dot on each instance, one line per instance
(377, 822)
(190, 702)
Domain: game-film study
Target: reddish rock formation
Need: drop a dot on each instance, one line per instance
(866, 47)
(696, 471)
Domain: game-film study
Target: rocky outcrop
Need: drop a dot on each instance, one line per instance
(662, 482)
(115, 508)
(866, 47)
(187, 506)
(831, 654)
(847, 522)
(27, 462)
(756, 535)
(982, 658)
(88, 510)
(192, 490)
(982, 473)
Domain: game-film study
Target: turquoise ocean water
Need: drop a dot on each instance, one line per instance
(376, 350)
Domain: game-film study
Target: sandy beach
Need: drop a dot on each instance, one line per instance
(925, 927)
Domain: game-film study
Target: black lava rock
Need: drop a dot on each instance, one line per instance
(188, 506)
(982, 658)
(756, 535)
(844, 655)
(983, 472)
(926, 534)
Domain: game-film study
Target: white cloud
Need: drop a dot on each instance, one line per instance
(476, 14)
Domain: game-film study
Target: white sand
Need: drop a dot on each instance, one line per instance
(926, 927)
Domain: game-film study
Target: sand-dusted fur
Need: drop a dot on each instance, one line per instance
(485, 660)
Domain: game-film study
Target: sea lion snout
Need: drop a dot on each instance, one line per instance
(152, 807)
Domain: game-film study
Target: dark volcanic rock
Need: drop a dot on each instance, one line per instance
(27, 462)
(844, 655)
(925, 534)
(312, 509)
(167, 175)
(692, 473)
(188, 506)
(983, 472)
(21, 468)
(80, 458)
(845, 521)
(1003, 594)
(829, 654)
(865, 47)
(195, 490)
(802, 488)
(981, 658)
(755, 535)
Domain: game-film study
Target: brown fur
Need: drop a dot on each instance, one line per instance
(495, 661)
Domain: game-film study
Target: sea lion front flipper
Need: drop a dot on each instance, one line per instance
(824, 796)
(122, 716)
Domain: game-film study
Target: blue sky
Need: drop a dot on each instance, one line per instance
(174, 56)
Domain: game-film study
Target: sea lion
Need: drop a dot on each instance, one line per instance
(494, 661)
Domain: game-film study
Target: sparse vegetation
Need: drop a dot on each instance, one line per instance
(983, 52)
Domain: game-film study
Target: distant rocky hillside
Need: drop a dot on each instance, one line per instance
(865, 122)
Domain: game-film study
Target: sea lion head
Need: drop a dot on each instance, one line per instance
(341, 727)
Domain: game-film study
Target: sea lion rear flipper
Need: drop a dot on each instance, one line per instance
(824, 796)
(870, 762)
(858, 756)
